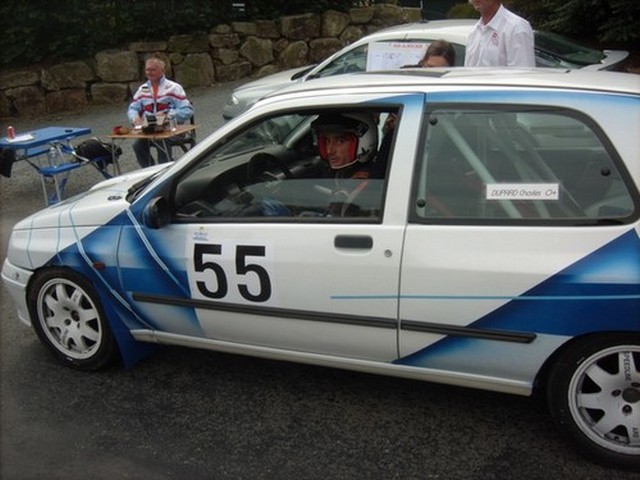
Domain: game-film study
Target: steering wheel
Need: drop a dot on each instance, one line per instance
(260, 168)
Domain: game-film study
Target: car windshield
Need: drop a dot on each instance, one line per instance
(567, 50)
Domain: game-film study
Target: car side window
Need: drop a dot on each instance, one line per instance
(490, 165)
(276, 170)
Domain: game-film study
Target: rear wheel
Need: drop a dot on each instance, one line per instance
(594, 396)
(68, 318)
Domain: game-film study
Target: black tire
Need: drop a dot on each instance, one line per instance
(593, 393)
(69, 319)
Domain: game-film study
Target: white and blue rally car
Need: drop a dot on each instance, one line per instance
(494, 243)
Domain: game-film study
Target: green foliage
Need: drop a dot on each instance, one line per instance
(603, 21)
(624, 23)
(41, 30)
(35, 31)
(463, 10)
(535, 12)
(272, 9)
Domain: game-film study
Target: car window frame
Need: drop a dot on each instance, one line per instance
(607, 144)
(210, 154)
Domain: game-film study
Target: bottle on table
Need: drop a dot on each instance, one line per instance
(52, 155)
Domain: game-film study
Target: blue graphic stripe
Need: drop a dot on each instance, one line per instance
(139, 230)
(96, 273)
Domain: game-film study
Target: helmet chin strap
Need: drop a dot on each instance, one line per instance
(344, 165)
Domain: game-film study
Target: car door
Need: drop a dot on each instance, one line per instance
(518, 233)
(246, 270)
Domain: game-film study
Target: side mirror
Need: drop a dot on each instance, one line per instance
(157, 213)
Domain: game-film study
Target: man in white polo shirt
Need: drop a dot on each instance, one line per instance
(500, 38)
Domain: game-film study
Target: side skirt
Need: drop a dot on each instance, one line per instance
(493, 384)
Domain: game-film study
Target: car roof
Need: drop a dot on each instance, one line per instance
(612, 82)
(464, 24)
(451, 30)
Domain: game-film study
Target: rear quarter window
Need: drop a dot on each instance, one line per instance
(518, 165)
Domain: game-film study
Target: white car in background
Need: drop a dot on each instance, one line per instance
(495, 244)
(551, 50)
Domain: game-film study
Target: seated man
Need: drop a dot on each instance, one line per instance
(348, 143)
(157, 95)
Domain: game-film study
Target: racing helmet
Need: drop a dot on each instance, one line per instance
(363, 130)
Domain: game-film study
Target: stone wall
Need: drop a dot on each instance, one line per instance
(229, 52)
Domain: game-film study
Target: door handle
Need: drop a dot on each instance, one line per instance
(360, 242)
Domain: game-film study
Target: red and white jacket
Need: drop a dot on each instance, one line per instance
(169, 97)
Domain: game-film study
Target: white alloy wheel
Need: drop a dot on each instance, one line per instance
(67, 317)
(594, 394)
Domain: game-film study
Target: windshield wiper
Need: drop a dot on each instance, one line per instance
(138, 187)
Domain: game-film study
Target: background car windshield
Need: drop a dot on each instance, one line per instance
(356, 60)
(353, 61)
(564, 49)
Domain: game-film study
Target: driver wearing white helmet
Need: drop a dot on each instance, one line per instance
(348, 143)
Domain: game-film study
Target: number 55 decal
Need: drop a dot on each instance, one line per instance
(208, 263)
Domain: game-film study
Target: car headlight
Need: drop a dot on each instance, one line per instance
(234, 100)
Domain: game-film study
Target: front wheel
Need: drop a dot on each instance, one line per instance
(68, 318)
(594, 396)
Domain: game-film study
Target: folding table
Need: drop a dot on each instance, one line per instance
(54, 143)
(161, 140)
